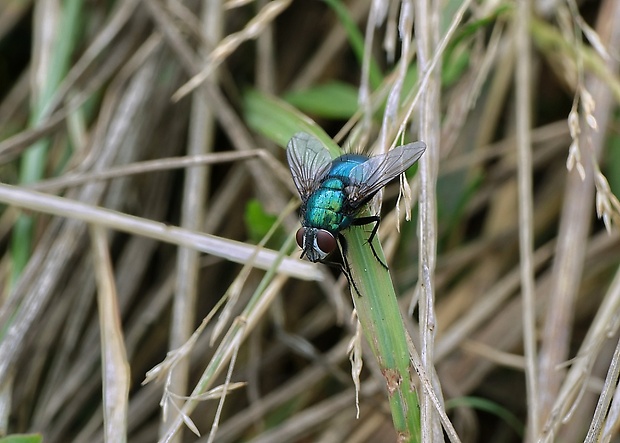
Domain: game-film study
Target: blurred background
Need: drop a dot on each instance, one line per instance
(91, 90)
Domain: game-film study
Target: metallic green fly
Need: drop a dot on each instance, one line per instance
(334, 191)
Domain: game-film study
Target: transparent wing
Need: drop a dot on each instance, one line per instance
(367, 178)
(309, 162)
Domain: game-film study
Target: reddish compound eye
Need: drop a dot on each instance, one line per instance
(301, 233)
(325, 241)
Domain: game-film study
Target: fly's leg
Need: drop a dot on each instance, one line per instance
(346, 269)
(344, 266)
(361, 221)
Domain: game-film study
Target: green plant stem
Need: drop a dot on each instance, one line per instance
(33, 162)
(378, 312)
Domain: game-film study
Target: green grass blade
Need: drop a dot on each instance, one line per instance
(278, 121)
(22, 438)
(33, 162)
(378, 312)
(377, 307)
(335, 100)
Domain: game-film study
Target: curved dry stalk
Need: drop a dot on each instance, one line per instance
(526, 211)
(427, 33)
(225, 248)
(229, 44)
(193, 208)
(115, 366)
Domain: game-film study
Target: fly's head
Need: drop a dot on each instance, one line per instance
(316, 243)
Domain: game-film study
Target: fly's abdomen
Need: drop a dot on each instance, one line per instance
(324, 207)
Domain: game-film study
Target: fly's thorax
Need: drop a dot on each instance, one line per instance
(332, 184)
(344, 169)
(342, 166)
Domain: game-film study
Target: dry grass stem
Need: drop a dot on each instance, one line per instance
(151, 285)
(526, 212)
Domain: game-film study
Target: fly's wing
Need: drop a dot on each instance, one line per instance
(309, 162)
(370, 176)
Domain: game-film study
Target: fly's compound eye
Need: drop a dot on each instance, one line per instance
(301, 233)
(325, 241)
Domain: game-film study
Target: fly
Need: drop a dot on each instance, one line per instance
(334, 191)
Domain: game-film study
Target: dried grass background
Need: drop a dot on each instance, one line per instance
(523, 155)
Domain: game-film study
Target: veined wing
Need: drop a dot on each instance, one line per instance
(309, 162)
(370, 176)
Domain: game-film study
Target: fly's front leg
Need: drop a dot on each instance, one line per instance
(346, 269)
(361, 221)
(344, 266)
